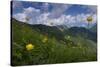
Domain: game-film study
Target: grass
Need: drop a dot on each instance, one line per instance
(50, 52)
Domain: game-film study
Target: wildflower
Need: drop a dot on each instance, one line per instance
(89, 19)
(29, 46)
(68, 37)
(45, 39)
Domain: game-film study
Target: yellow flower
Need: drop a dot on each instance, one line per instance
(45, 39)
(89, 19)
(29, 46)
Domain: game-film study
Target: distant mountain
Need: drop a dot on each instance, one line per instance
(60, 31)
(51, 31)
(94, 28)
(83, 32)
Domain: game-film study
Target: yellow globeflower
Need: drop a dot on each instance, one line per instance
(45, 39)
(89, 19)
(29, 46)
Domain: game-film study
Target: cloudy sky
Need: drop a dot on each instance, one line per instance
(53, 14)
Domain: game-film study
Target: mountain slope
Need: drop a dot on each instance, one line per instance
(83, 32)
(94, 28)
(48, 50)
(50, 31)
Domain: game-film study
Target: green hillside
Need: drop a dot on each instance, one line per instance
(83, 32)
(49, 47)
(94, 28)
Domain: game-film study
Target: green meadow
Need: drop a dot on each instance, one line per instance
(49, 46)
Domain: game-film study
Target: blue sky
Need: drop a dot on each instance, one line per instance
(55, 13)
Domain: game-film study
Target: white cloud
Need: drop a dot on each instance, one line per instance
(30, 13)
(69, 20)
(31, 10)
(44, 19)
(36, 17)
(20, 17)
(58, 10)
